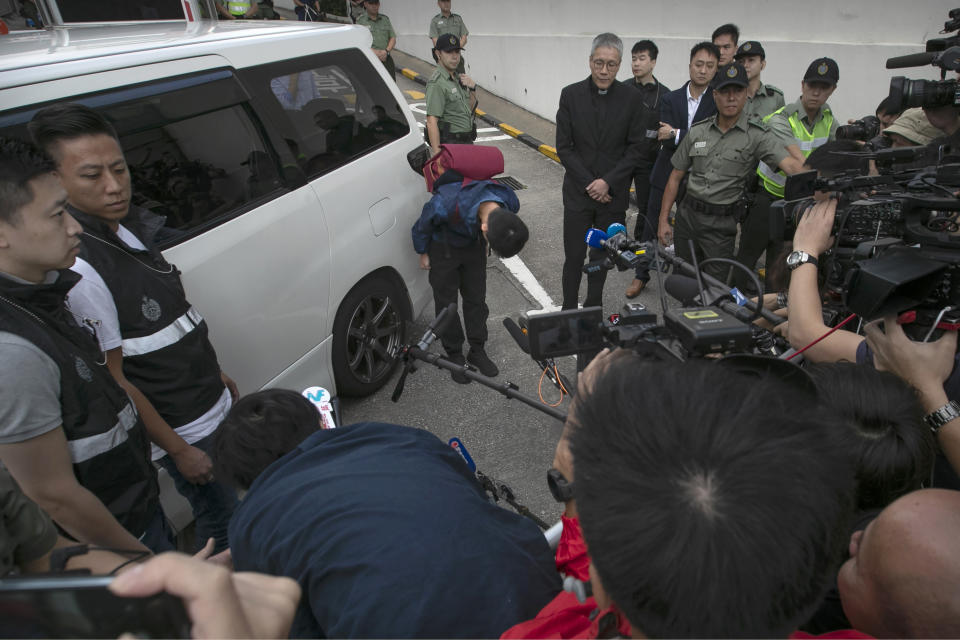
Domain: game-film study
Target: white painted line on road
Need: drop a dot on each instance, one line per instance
(418, 107)
(529, 282)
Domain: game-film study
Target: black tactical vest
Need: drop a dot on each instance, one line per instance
(167, 353)
(106, 439)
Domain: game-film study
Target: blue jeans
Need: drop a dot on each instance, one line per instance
(213, 503)
(158, 537)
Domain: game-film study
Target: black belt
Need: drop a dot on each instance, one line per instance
(705, 207)
(461, 138)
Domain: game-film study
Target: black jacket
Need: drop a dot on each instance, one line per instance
(166, 348)
(599, 136)
(673, 111)
(107, 441)
(653, 94)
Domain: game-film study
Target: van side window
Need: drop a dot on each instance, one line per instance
(329, 108)
(196, 153)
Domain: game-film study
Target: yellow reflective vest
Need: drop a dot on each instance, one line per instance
(238, 7)
(774, 179)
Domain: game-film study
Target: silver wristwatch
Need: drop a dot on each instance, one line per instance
(797, 258)
(939, 417)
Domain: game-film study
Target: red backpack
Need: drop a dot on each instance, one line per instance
(472, 161)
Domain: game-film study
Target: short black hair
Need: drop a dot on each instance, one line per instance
(836, 157)
(20, 162)
(888, 106)
(728, 29)
(67, 121)
(713, 504)
(506, 232)
(709, 47)
(260, 429)
(895, 450)
(648, 46)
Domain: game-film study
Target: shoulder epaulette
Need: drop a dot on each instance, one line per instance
(772, 90)
(707, 119)
(758, 122)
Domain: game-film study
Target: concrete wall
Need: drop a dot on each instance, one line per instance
(527, 50)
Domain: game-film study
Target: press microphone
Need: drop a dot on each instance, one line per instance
(522, 340)
(320, 398)
(595, 238)
(682, 288)
(911, 60)
(616, 228)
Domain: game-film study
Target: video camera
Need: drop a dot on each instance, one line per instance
(941, 52)
(866, 128)
(897, 248)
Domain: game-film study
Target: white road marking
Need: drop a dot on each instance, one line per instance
(529, 282)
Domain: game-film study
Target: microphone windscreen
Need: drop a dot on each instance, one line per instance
(595, 238)
(911, 60)
(616, 228)
(682, 288)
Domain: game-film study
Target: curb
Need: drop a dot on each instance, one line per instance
(526, 139)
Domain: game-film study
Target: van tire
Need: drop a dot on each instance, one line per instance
(368, 331)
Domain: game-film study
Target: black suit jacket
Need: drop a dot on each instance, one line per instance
(591, 147)
(673, 111)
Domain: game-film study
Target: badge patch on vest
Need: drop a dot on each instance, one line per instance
(82, 369)
(150, 309)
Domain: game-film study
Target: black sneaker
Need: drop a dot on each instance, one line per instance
(478, 358)
(458, 376)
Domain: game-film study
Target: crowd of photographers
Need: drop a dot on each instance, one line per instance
(732, 497)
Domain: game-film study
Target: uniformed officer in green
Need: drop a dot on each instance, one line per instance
(720, 153)
(451, 98)
(762, 99)
(384, 37)
(448, 22)
(803, 126)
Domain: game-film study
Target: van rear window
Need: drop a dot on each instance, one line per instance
(329, 108)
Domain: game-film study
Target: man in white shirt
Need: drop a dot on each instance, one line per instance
(155, 342)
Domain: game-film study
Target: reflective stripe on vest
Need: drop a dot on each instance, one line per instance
(170, 334)
(238, 7)
(92, 446)
(774, 179)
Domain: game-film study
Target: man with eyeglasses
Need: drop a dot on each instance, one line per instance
(599, 156)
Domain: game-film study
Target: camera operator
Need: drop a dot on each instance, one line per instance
(931, 367)
(679, 501)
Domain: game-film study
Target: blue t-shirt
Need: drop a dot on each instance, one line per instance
(390, 536)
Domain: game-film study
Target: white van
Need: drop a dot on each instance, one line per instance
(284, 159)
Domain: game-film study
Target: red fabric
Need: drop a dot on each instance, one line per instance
(572, 558)
(566, 617)
(472, 161)
(838, 635)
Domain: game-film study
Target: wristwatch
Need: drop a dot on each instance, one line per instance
(939, 417)
(797, 258)
(560, 488)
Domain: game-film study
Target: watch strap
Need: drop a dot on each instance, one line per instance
(942, 415)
